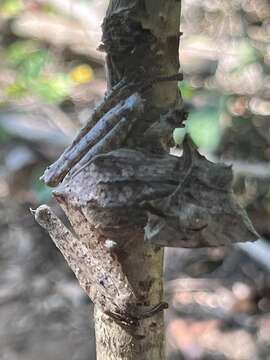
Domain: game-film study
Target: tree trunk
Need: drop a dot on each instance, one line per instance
(125, 197)
(144, 269)
(141, 39)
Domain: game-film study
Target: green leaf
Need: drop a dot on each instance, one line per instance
(52, 89)
(204, 129)
(186, 90)
(16, 90)
(11, 7)
(33, 65)
(28, 59)
(19, 51)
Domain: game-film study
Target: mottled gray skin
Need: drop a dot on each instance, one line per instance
(202, 211)
(178, 202)
(106, 134)
(137, 198)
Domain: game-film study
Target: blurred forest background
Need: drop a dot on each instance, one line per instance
(51, 76)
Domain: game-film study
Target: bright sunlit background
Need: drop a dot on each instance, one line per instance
(51, 76)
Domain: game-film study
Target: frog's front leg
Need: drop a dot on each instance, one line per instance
(106, 134)
(111, 141)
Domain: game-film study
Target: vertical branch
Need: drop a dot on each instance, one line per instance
(141, 38)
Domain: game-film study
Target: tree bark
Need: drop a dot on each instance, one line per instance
(125, 197)
(141, 39)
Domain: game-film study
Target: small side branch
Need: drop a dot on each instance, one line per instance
(103, 282)
(98, 271)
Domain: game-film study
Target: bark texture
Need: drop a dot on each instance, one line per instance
(141, 39)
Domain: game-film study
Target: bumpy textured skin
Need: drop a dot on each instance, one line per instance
(99, 135)
(202, 211)
(137, 192)
(178, 202)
